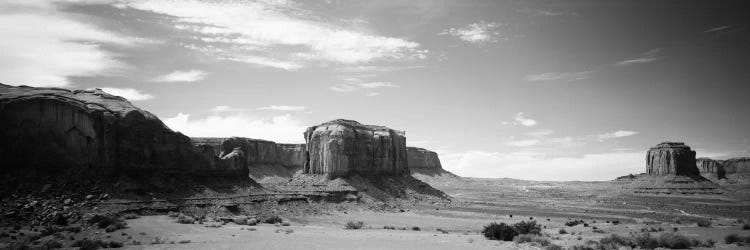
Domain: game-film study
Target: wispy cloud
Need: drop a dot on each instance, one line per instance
(284, 108)
(519, 119)
(276, 34)
(616, 134)
(128, 93)
(716, 29)
(646, 57)
(193, 75)
(476, 33)
(352, 83)
(559, 76)
(42, 46)
(523, 143)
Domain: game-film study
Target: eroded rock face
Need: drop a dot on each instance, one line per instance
(671, 158)
(422, 158)
(345, 147)
(59, 129)
(710, 168)
(737, 166)
(253, 151)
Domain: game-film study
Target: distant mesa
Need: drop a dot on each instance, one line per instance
(251, 156)
(344, 147)
(422, 158)
(711, 169)
(671, 169)
(671, 158)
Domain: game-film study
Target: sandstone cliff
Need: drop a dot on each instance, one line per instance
(345, 147)
(59, 129)
(255, 152)
(671, 158)
(710, 168)
(422, 158)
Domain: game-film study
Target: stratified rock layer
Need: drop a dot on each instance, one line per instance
(422, 158)
(255, 152)
(710, 168)
(671, 158)
(345, 147)
(738, 169)
(59, 129)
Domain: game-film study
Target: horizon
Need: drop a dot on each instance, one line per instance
(574, 91)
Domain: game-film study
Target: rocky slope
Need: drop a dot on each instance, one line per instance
(50, 129)
(344, 147)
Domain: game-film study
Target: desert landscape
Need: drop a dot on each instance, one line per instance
(113, 175)
(374, 124)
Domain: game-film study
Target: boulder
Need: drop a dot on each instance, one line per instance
(345, 147)
(671, 158)
(422, 158)
(45, 129)
(710, 168)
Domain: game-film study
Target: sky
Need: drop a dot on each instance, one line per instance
(540, 90)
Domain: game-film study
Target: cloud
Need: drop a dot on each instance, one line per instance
(277, 34)
(192, 75)
(128, 93)
(616, 134)
(342, 87)
(374, 85)
(476, 33)
(531, 165)
(558, 76)
(646, 57)
(371, 94)
(284, 128)
(523, 143)
(284, 108)
(541, 133)
(716, 29)
(42, 46)
(521, 120)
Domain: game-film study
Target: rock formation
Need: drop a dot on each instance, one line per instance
(738, 169)
(59, 129)
(255, 152)
(671, 169)
(345, 147)
(422, 158)
(712, 169)
(671, 158)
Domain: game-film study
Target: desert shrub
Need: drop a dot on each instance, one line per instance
(746, 226)
(52, 245)
(703, 223)
(615, 222)
(87, 244)
(286, 224)
(553, 247)
(184, 241)
(585, 224)
(131, 216)
(501, 231)
(416, 228)
(646, 241)
(534, 239)
(599, 231)
(530, 227)
(562, 231)
(103, 221)
(442, 231)
(352, 225)
(273, 220)
(675, 241)
(391, 227)
(734, 238)
(573, 223)
(615, 241)
(185, 219)
(114, 244)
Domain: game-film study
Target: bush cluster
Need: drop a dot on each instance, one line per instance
(352, 225)
(668, 240)
(505, 232)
